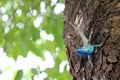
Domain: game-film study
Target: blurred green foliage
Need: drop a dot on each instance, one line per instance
(19, 75)
(18, 34)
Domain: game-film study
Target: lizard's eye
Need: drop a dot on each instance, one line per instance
(88, 50)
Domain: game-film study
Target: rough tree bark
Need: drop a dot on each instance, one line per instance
(104, 17)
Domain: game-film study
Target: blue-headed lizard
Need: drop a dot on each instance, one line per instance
(87, 48)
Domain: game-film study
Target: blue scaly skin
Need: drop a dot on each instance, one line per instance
(85, 51)
(87, 48)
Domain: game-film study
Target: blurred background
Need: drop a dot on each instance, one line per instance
(31, 43)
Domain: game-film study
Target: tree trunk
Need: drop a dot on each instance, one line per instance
(103, 16)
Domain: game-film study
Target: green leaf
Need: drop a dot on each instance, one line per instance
(16, 43)
(62, 1)
(62, 54)
(54, 26)
(3, 2)
(10, 36)
(35, 33)
(19, 75)
(35, 48)
(1, 37)
(51, 46)
(34, 71)
(28, 75)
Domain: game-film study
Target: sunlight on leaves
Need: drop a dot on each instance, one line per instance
(31, 44)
